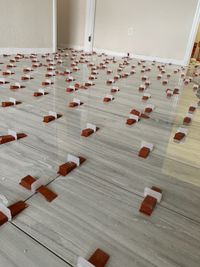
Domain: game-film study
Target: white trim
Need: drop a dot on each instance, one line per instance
(121, 54)
(76, 47)
(14, 51)
(110, 52)
(192, 36)
(142, 57)
(160, 60)
(89, 25)
(54, 25)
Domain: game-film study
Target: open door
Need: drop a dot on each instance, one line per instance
(193, 44)
(196, 48)
(89, 25)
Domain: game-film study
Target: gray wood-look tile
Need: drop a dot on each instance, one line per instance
(17, 249)
(97, 204)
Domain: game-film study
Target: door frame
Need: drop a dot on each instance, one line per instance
(192, 36)
(54, 41)
(90, 25)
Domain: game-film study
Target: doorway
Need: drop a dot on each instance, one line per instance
(196, 48)
(191, 46)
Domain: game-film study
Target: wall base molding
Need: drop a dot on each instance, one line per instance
(121, 54)
(76, 47)
(141, 57)
(14, 51)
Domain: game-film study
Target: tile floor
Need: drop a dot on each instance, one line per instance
(98, 203)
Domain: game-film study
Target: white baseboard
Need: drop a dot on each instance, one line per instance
(76, 47)
(160, 60)
(142, 57)
(121, 54)
(110, 52)
(14, 51)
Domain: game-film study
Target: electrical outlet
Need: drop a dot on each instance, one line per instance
(130, 31)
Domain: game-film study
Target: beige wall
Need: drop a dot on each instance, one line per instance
(71, 22)
(161, 28)
(26, 23)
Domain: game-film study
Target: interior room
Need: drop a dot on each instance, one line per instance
(100, 133)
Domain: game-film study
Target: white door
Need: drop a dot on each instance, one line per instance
(89, 25)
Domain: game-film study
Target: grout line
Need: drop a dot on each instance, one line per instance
(37, 241)
(138, 195)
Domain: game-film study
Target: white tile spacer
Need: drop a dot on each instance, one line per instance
(48, 81)
(3, 207)
(54, 114)
(12, 100)
(195, 87)
(195, 105)
(111, 97)
(72, 158)
(18, 85)
(42, 91)
(3, 80)
(115, 88)
(91, 126)
(39, 182)
(134, 117)
(68, 71)
(150, 106)
(76, 100)
(71, 87)
(189, 115)
(83, 263)
(13, 133)
(182, 130)
(4, 200)
(147, 95)
(90, 82)
(149, 192)
(146, 144)
(143, 86)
